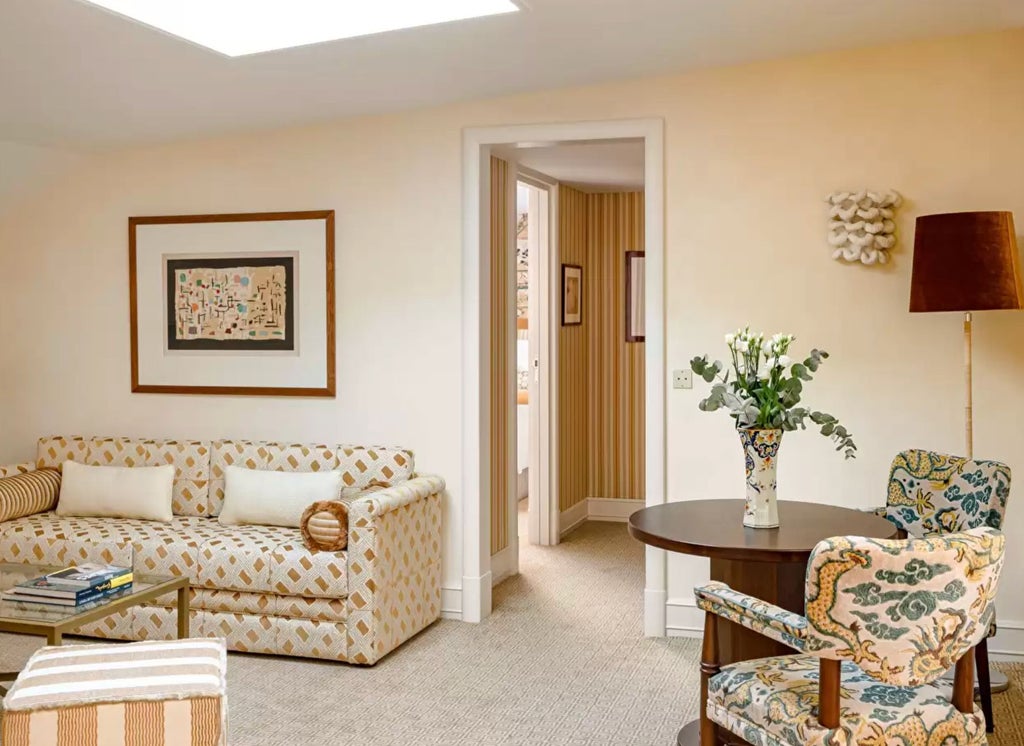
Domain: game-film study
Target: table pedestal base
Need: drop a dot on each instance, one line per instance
(690, 736)
(779, 583)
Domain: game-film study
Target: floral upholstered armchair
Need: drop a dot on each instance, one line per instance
(885, 619)
(934, 493)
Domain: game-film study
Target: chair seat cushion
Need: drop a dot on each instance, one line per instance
(774, 702)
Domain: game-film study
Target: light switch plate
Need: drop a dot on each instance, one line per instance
(682, 379)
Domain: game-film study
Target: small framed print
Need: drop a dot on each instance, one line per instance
(572, 295)
(635, 292)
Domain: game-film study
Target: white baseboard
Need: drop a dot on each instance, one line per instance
(614, 509)
(573, 517)
(476, 598)
(451, 603)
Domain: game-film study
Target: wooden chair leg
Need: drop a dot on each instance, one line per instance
(963, 684)
(829, 676)
(985, 684)
(708, 667)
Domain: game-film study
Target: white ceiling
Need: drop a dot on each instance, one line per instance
(73, 75)
(592, 167)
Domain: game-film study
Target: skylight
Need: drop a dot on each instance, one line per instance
(240, 27)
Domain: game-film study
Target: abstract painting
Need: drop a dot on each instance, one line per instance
(235, 304)
(231, 303)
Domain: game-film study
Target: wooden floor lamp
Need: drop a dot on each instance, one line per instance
(966, 262)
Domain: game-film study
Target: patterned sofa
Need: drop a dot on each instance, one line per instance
(258, 586)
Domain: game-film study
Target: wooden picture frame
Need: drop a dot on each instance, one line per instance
(292, 258)
(635, 295)
(572, 295)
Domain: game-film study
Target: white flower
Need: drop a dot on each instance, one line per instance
(729, 339)
(784, 361)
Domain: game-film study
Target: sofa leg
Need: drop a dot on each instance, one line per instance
(985, 684)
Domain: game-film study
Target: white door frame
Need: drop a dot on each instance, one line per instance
(476, 505)
(543, 513)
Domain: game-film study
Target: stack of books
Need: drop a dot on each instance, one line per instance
(72, 586)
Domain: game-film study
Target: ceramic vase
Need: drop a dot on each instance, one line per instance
(760, 452)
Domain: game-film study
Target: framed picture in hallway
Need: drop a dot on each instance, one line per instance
(572, 295)
(232, 304)
(635, 291)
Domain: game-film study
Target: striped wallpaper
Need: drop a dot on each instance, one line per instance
(572, 355)
(502, 361)
(615, 368)
(601, 376)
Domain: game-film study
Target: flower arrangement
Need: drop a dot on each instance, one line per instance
(763, 388)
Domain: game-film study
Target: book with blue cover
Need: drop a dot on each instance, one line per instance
(44, 589)
(86, 575)
(88, 596)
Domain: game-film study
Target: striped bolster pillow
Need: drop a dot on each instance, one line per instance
(325, 526)
(25, 494)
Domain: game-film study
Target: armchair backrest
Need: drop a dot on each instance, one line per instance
(932, 493)
(903, 611)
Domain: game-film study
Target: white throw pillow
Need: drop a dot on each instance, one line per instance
(116, 491)
(274, 498)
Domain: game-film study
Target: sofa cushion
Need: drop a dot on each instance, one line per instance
(116, 491)
(360, 466)
(190, 459)
(264, 559)
(256, 559)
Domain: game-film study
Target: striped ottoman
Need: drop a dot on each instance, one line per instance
(143, 693)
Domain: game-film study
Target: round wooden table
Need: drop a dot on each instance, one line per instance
(767, 563)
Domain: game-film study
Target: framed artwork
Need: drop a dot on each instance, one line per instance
(635, 293)
(233, 304)
(572, 295)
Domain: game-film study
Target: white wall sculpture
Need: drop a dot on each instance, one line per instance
(862, 225)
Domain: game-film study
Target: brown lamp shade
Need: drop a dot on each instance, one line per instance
(966, 261)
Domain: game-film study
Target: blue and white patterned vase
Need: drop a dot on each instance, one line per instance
(760, 451)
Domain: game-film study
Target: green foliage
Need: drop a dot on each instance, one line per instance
(763, 388)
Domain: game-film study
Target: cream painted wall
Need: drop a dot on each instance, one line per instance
(750, 153)
(27, 168)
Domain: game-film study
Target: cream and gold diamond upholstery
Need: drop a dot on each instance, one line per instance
(258, 586)
(190, 459)
(360, 465)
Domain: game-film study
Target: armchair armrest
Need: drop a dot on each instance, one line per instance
(753, 613)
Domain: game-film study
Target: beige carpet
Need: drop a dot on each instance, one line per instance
(561, 661)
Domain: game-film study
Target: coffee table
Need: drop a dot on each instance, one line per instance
(55, 621)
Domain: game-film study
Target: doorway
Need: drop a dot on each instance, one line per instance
(480, 145)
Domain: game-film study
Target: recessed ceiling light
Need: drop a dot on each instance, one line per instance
(239, 27)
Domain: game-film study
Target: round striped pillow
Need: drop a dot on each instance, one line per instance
(25, 494)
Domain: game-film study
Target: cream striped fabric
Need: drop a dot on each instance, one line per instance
(9, 470)
(28, 493)
(153, 693)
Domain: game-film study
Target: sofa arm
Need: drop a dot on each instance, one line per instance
(381, 502)
(753, 613)
(394, 566)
